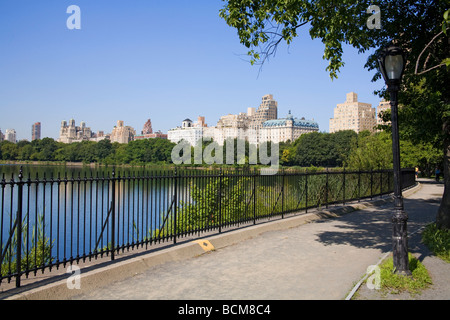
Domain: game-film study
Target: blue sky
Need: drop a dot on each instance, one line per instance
(164, 60)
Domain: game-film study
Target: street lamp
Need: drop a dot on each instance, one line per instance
(391, 61)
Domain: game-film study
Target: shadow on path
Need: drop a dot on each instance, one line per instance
(373, 228)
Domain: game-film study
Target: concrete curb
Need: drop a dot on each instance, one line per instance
(120, 270)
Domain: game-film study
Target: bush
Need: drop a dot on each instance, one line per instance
(437, 241)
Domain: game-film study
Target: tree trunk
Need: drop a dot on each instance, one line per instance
(443, 215)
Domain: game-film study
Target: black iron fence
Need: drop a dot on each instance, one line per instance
(51, 221)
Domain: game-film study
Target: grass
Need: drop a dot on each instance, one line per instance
(438, 241)
(394, 283)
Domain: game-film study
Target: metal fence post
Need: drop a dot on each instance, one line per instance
(359, 185)
(113, 215)
(19, 229)
(371, 184)
(220, 200)
(381, 183)
(326, 188)
(254, 196)
(389, 181)
(343, 188)
(282, 194)
(175, 184)
(306, 190)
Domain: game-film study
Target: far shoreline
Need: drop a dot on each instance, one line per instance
(77, 164)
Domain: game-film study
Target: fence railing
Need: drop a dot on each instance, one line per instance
(48, 222)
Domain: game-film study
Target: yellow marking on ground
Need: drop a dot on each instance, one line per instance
(205, 244)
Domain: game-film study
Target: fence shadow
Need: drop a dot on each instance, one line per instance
(372, 228)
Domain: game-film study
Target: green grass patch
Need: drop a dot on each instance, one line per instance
(437, 241)
(394, 283)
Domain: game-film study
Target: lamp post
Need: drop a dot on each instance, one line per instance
(391, 61)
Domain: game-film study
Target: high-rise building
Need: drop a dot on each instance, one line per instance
(147, 127)
(121, 133)
(147, 132)
(268, 110)
(69, 133)
(36, 131)
(383, 106)
(2, 137)
(10, 135)
(353, 115)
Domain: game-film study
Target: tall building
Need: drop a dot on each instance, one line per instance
(2, 137)
(36, 131)
(383, 106)
(10, 135)
(268, 110)
(147, 127)
(69, 132)
(353, 115)
(147, 132)
(122, 134)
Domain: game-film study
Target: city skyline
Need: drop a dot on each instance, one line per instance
(154, 60)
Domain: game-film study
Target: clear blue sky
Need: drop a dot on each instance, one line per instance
(165, 60)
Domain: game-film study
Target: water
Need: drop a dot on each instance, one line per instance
(70, 206)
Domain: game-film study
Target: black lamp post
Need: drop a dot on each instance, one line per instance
(392, 64)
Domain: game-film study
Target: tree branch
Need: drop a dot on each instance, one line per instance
(426, 47)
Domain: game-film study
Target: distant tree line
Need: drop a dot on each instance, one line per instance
(47, 149)
(318, 149)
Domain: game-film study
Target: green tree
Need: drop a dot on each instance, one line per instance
(45, 149)
(419, 27)
(312, 150)
(103, 149)
(371, 152)
(120, 154)
(68, 152)
(321, 149)
(25, 152)
(341, 142)
(10, 151)
(87, 151)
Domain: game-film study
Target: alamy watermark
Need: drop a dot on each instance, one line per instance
(374, 21)
(214, 153)
(74, 280)
(74, 20)
(373, 281)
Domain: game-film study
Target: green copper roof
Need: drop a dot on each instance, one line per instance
(296, 122)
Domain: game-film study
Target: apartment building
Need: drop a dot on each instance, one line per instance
(36, 131)
(353, 115)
